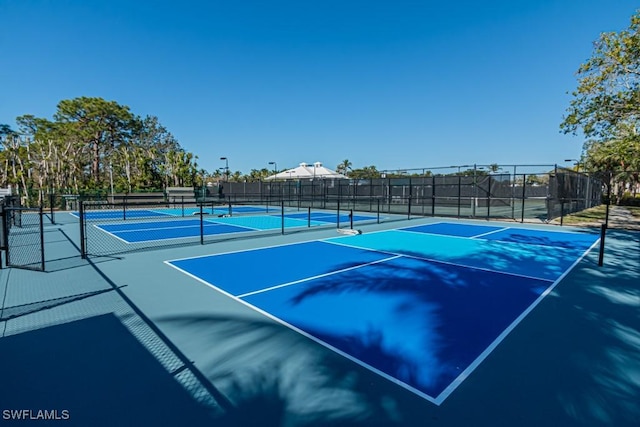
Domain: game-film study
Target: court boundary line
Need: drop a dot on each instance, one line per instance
(453, 264)
(440, 398)
(489, 232)
(495, 343)
(318, 276)
(162, 214)
(506, 242)
(247, 250)
(172, 238)
(325, 239)
(313, 338)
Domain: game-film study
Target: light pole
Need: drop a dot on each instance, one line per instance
(275, 167)
(577, 163)
(226, 166)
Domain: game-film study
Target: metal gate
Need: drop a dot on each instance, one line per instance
(22, 237)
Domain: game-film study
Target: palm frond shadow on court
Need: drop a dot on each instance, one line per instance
(267, 368)
(275, 377)
(583, 334)
(580, 343)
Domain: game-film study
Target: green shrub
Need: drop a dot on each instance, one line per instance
(628, 200)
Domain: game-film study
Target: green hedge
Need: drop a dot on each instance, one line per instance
(628, 200)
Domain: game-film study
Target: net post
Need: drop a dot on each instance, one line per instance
(338, 215)
(351, 219)
(561, 211)
(201, 226)
(83, 244)
(603, 232)
(41, 216)
(309, 217)
(282, 216)
(124, 207)
(229, 200)
(182, 204)
(378, 211)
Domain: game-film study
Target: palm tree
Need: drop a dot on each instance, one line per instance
(344, 167)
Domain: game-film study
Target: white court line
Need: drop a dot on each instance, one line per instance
(295, 282)
(111, 234)
(138, 230)
(501, 242)
(437, 261)
(489, 232)
(460, 378)
(311, 337)
(449, 389)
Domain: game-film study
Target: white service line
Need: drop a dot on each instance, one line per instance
(306, 279)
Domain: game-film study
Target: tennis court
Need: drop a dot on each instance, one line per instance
(110, 214)
(422, 306)
(168, 224)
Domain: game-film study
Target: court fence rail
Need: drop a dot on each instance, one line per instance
(523, 197)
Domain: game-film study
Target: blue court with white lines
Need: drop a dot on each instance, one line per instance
(139, 226)
(421, 306)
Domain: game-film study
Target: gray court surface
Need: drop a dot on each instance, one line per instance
(128, 340)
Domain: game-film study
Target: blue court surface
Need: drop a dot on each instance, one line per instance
(171, 212)
(422, 306)
(168, 224)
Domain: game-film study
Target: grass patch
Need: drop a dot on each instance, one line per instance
(595, 214)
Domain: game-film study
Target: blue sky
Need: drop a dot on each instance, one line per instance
(395, 84)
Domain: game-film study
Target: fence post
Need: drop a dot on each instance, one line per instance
(52, 200)
(433, 195)
(409, 202)
(524, 193)
(201, 226)
(41, 215)
(83, 245)
(3, 232)
(459, 193)
(489, 198)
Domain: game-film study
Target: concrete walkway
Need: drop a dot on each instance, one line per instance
(620, 217)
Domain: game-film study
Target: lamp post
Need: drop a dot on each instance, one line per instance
(577, 163)
(226, 167)
(275, 167)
